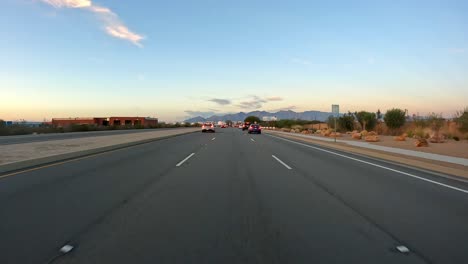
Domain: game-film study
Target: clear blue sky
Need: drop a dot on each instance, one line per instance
(174, 59)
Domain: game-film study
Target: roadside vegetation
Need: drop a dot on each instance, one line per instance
(288, 123)
(252, 119)
(432, 127)
(22, 129)
(394, 119)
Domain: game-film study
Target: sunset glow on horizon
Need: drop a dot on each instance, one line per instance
(75, 58)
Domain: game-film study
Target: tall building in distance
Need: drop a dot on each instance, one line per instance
(336, 110)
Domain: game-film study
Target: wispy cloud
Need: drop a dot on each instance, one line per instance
(220, 101)
(68, 3)
(274, 98)
(111, 22)
(255, 102)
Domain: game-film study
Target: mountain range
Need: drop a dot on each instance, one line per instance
(289, 114)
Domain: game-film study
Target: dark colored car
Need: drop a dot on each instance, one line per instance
(245, 126)
(254, 128)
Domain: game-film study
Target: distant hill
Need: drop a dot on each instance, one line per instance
(195, 119)
(306, 115)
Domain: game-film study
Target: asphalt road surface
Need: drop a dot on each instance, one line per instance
(231, 197)
(7, 140)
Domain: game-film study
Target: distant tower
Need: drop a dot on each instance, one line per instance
(335, 110)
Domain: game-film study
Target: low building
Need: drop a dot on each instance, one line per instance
(64, 122)
(132, 121)
(269, 118)
(23, 123)
(105, 121)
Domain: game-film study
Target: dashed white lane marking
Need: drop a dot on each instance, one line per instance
(280, 161)
(376, 165)
(252, 140)
(403, 249)
(65, 249)
(213, 139)
(184, 160)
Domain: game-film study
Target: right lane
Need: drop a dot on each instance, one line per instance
(430, 219)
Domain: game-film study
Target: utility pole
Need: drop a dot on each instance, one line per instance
(336, 113)
(335, 129)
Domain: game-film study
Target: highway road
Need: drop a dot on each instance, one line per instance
(231, 197)
(7, 140)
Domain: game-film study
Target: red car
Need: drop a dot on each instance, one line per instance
(245, 126)
(254, 128)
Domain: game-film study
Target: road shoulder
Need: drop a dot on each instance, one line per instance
(430, 165)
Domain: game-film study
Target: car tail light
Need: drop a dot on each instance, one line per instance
(212, 126)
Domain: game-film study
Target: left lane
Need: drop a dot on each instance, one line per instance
(41, 209)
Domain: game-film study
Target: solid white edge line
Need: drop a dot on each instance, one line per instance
(280, 161)
(184, 160)
(252, 140)
(376, 165)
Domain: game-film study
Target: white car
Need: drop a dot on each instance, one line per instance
(208, 127)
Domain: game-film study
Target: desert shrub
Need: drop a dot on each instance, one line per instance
(410, 133)
(436, 122)
(394, 119)
(346, 122)
(367, 120)
(462, 120)
(381, 128)
(331, 122)
(420, 122)
(297, 127)
(419, 132)
(456, 138)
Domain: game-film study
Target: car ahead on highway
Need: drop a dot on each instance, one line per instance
(254, 128)
(245, 126)
(208, 127)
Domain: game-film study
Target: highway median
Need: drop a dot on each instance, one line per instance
(17, 157)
